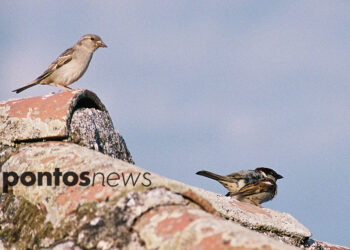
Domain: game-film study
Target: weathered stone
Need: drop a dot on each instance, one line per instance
(125, 207)
(5, 153)
(321, 245)
(279, 225)
(43, 117)
(94, 129)
(64, 200)
(68, 245)
(174, 227)
(77, 116)
(22, 223)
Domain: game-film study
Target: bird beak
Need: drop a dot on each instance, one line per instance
(279, 176)
(101, 44)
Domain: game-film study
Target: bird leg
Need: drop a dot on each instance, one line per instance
(65, 87)
(255, 203)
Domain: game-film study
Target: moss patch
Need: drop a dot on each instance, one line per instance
(22, 224)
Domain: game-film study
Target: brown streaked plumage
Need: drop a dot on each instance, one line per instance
(70, 65)
(256, 193)
(252, 186)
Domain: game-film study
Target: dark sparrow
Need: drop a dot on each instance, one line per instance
(256, 193)
(70, 65)
(252, 186)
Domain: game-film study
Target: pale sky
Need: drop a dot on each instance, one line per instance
(214, 85)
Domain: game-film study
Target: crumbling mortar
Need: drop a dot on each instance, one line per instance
(199, 202)
(272, 232)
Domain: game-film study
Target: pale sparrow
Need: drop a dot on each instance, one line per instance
(252, 186)
(70, 65)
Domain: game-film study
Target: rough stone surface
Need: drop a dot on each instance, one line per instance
(94, 129)
(22, 223)
(77, 116)
(61, 202)
(122, 206)
(283, 225)
(43, 117)
(174, 227)
(68, 245)
(5, 153)
(317, 245)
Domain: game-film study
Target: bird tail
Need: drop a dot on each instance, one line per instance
(211, 175)
(31, 84)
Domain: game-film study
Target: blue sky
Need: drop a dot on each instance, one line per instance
(214, 85)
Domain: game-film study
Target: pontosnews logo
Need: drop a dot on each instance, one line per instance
(71, 178)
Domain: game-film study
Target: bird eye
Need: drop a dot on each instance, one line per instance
(92, 39)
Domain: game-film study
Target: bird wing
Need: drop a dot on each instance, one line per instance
(263, 185)
(237, 176)
(250, 176)
(63, 59)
